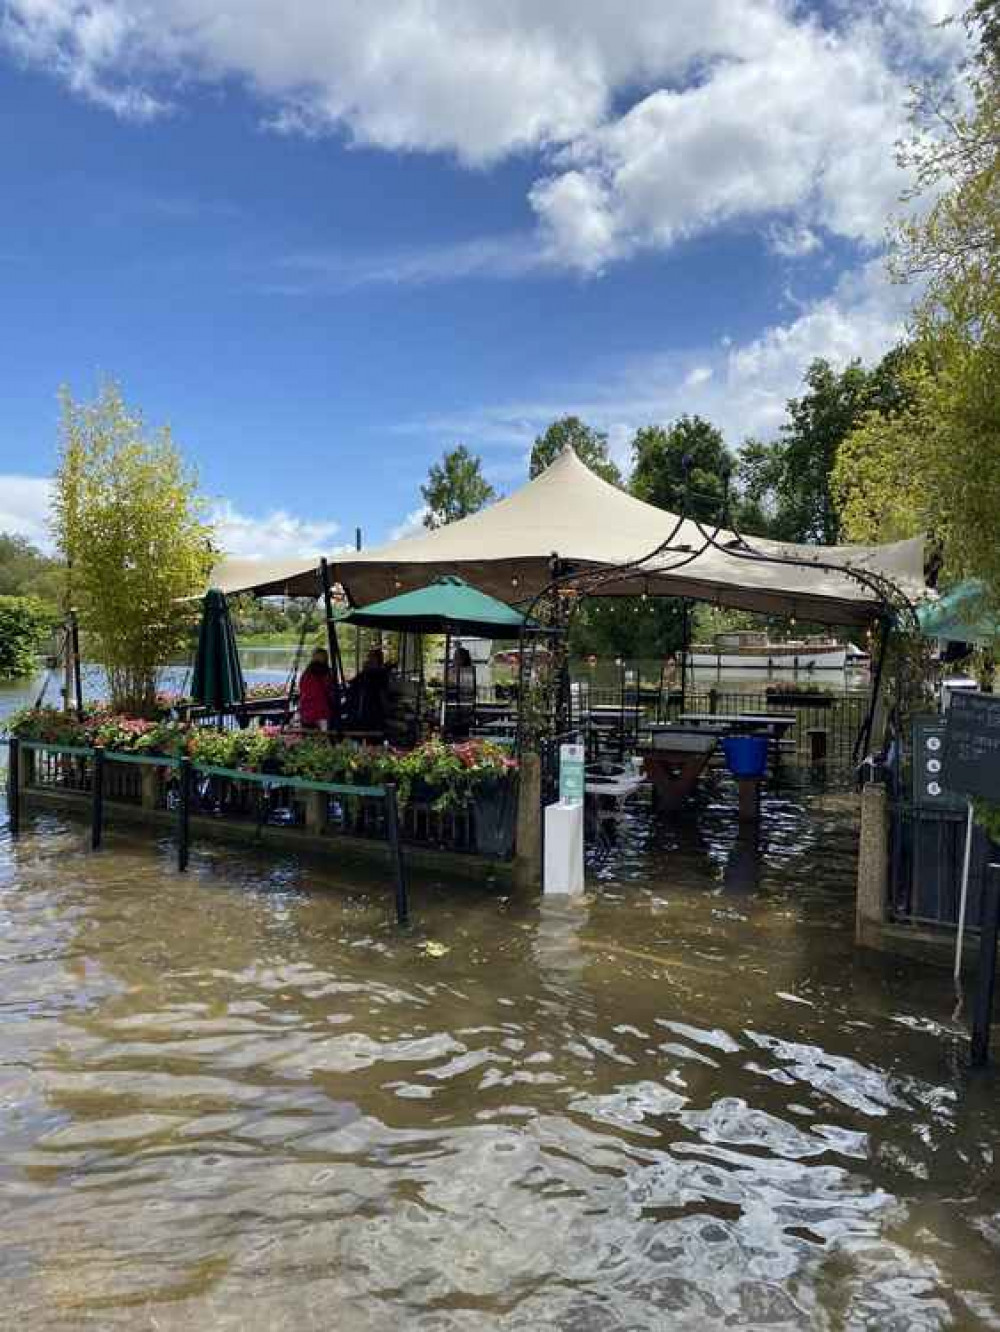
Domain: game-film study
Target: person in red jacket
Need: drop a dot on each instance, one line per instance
(317, 693)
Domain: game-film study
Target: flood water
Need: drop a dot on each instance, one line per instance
(242, 1099)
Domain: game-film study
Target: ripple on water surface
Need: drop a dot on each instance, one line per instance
(243, 1100)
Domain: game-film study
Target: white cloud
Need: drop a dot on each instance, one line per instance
(278, 533)
(24, 507)
(487, 256)
(412, 525)
(741, 387)
(680, 117)
(25, 502)
(793, 242)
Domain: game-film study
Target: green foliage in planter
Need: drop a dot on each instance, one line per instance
(25, 623)
(48, 724)
(987, 815)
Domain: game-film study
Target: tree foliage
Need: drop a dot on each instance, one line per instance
(658, 475)
(934, 465)
(129, 525)
(590, 446)
(26, 571)
(25, 624)
(455, 488)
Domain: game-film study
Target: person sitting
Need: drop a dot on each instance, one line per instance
(368, 694)
(318, 699)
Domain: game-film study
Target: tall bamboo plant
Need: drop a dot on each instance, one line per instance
(130, 526)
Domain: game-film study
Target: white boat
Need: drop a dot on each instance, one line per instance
(752, 650)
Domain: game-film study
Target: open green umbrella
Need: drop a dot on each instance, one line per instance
(959, 615)
(448, 605)
(217, 680)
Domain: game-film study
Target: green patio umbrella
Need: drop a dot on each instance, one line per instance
(448, 605)
(217, 680)
(959, 615)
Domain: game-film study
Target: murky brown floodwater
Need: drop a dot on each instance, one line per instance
(242, 1100)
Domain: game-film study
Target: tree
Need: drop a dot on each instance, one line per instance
(455, 488)
(658, 475)
(25, 623)
(589, 445)
(933, 465)
(128, 522)
(25, 571)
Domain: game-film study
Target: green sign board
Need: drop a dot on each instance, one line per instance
(571, 775)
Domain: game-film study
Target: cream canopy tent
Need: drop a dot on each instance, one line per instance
(506, 549)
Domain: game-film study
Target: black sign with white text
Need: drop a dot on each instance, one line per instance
(970, 762)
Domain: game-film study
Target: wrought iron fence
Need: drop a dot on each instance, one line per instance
(926, 854)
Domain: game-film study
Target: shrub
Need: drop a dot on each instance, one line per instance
(25, 623)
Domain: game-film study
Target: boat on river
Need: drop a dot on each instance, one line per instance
(753, 650)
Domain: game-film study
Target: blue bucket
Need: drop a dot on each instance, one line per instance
(746, 755)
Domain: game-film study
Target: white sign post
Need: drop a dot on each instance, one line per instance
(563, 870)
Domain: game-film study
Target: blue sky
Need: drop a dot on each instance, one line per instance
(327, 246)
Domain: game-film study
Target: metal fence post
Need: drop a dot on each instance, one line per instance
(97, 799)
(989, 924)
(14, 786)
(183, 812)
(392, 831)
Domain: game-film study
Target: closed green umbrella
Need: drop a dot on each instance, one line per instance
(217, 680)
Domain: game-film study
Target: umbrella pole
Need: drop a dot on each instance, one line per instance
(332, 642)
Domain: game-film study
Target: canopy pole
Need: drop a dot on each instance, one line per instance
(331, 627)
(685, 644)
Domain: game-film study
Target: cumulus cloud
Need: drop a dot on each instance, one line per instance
(25, 503)
(277, 534)
(24, 507)
(686, 116)
(741, 387)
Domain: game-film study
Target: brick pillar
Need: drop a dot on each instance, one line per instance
(873, 863)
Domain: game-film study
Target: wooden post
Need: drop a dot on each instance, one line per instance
(989, 925)
(528, 853)
(183, 812)
(97, 799)
(749, 799)
(316, 803)
(392, 831)
(873, 862)
(150, 778)
(14, 786)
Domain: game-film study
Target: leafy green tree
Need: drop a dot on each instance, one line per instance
(933, 464)
(128, 522)
(590, 446)
(628, 627)
(658, 475)
(25, 624)
(26, 571)
(455, 488)
(785, 484)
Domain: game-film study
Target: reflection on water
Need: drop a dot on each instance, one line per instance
(243, 1100)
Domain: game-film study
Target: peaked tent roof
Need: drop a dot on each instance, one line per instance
(447, 605)
(505, 550)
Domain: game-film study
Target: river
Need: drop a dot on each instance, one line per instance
(242, 1099)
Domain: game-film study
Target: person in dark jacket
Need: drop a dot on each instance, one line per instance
(318, 709)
